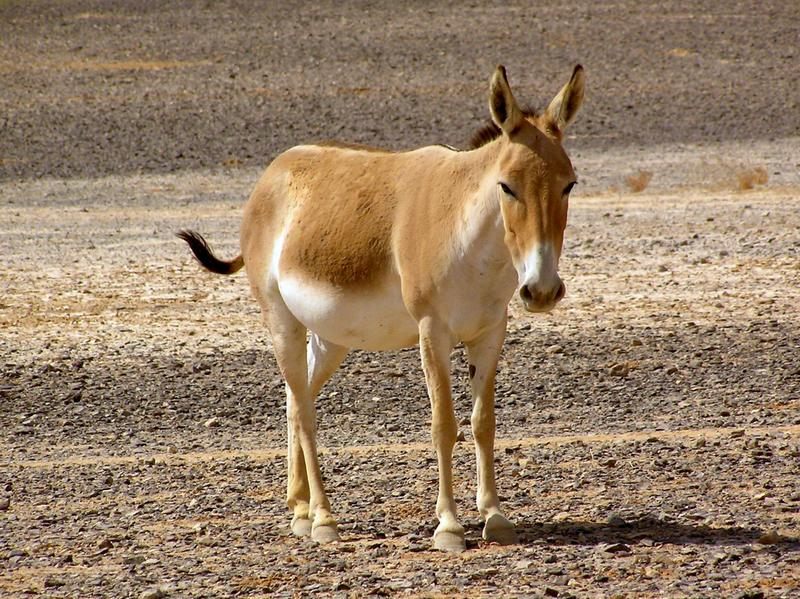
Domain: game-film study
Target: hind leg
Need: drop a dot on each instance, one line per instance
(323, 358)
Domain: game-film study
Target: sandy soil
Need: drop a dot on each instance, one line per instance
(649, 429)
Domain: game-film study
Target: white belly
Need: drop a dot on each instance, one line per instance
(371, 319)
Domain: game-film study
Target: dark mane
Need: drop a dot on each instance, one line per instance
(489, 132)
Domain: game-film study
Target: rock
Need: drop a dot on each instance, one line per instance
(211, 422)
(621, 370)
(5, 503)
(51, 582)
(156, 593)
(616, 520)
(74, 396)
(461, 436)
(550, 592)
(772, 537)
(523, 564)
(105, 544)
(738, 434)
(616, 548)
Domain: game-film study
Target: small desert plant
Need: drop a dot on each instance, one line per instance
(638, 181)
(748, 178)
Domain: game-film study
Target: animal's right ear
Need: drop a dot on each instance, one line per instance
(506, 113)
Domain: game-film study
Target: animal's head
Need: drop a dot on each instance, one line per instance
(534, 180)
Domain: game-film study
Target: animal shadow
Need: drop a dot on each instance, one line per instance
(640, 528)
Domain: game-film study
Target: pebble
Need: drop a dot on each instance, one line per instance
(211, 422)
(616, 548)
(621, 370)
(616, 520)
(771, 537)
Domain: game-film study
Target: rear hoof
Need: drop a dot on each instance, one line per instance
(325, 533)
(499, 529)
(301, 527)
(449, 541)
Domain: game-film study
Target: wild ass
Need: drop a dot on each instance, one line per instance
(376, 250)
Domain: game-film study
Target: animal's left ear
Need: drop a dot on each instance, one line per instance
(565, 105)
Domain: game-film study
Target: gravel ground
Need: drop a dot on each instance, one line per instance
(649, 429)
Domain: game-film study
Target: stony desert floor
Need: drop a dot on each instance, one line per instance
(648, 429)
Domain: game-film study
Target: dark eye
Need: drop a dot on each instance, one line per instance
(507, 190)
(569, 187)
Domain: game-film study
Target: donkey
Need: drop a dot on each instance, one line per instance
(354, 247)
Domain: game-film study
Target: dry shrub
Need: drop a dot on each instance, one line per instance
(232, 162)
(748, 178)
(638, 181)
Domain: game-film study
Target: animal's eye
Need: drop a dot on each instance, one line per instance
(507, 190)
(569, 187)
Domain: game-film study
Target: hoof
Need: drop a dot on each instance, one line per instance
(449, 541)
(325, 533)
(301, 527)
(499, 529)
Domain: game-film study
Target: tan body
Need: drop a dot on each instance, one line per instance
(377, 250)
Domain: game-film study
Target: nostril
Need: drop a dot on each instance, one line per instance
(525, 293)
(561, 292)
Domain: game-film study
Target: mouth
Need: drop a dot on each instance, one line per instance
(538, 308)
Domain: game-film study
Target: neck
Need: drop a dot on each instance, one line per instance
(481, 230)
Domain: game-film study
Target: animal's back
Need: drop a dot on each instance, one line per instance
(339, 225)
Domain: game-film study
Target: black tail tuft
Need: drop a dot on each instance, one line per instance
(206, 257)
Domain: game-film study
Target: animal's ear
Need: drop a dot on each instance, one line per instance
(565, 105)
(506, 114)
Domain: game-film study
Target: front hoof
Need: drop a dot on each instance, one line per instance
(499, 529)
(301, 527)
(452, 542)
(325, 533)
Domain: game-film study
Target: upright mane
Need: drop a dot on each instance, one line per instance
(489, 132)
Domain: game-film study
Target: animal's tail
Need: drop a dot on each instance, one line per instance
(206, 257)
